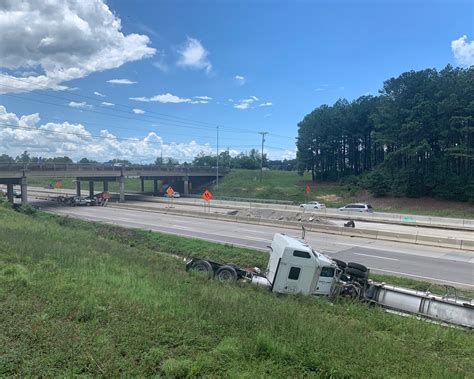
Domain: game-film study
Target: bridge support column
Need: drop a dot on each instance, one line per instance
(10, 196)
(78, 188)
(122, 189)
(24, 191)
(91, 189)
(142, 184)
(186, 186)
(106, 186)
(155, 186)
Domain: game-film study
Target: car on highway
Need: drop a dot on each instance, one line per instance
(357, 207)
(78, 201)
(313, 205)
(176, 195)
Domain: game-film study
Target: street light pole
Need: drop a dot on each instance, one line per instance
(261, 157)
(217, 168)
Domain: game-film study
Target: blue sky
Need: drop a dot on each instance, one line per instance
(248, 66)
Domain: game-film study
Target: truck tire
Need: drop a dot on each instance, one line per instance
(356, 273)
(226, 274)
(203, 266)
(357, 266)
(341, 264)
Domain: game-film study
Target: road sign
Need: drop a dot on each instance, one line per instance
(308, 188)
(207, 195)
(106, 195)
(58, 184)
(170, 191)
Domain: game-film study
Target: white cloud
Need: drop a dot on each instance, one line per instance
(267, 104)
(163, 98)
(203, 97)
(99, 94)
(194, 55)
(120, 81)
(81, 105)
(75, 141)
(138, 111)
(245, 103)
(230, 100)
(240, 79)
(463, 51)
(319, 89)
(62, 40)
(107, 104)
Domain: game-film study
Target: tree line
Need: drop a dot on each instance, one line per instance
(416, 138)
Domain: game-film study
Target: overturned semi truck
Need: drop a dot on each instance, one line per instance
(294, 267)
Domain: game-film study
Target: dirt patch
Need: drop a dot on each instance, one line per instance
(330, 198)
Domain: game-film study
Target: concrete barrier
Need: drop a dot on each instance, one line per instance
(393, 236)
(467, 245)
(439, 241)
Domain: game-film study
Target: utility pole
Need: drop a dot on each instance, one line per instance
(261, 157)
(217, 168)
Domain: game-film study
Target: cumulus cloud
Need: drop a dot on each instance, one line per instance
(74, 140)
(99, 94)
(193, 55)
(203, 97)
(80, 105)
(62, 40)
(463, 51)
(138, 111)
(254, 97)
(163, 98)
(107, 104)
(120, 81)
(267, 104)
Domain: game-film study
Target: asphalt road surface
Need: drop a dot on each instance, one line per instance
(445, 266)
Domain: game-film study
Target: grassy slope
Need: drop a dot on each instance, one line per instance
(79, 298)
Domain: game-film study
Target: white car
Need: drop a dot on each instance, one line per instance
(175, 195)
(312, 205)
(357, 207)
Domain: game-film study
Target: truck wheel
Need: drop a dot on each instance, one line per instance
(357, 266)
(341, 264)
(356, 273)
(226, 274)
(203, 266)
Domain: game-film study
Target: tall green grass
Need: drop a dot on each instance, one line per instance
(76, 301)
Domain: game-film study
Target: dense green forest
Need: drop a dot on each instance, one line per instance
(416, 138)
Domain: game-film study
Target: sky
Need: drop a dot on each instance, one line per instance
(139, 79)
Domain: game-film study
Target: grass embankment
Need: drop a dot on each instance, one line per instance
(81, 298)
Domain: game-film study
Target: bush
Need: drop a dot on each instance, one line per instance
(378, 183)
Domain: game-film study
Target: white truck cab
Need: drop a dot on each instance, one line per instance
(294, 267)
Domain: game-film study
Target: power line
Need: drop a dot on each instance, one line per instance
(186, 120)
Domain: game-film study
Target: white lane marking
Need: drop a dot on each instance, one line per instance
(376, 256)
(421, 277)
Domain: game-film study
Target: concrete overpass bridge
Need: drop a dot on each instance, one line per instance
(181, 178)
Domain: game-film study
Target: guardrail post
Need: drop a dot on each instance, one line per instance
(155, 186)
(106, 186)
(142, 184)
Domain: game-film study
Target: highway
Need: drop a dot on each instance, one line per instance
(441, 265)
